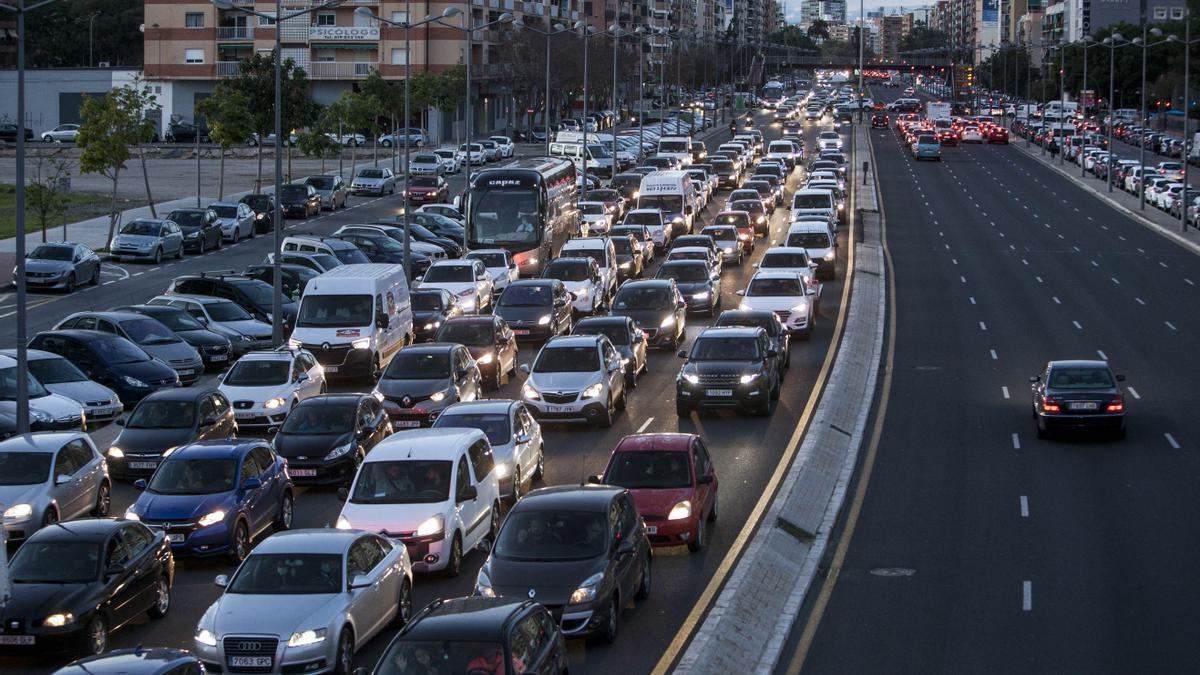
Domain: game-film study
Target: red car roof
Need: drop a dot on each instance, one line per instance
(660, 442)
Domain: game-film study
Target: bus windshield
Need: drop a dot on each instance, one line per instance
(504, 216)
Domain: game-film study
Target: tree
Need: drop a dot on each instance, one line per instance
(792, 36)
(921, 37)
(818, 30)
(46, 194)
(230, 122)
(58, 38)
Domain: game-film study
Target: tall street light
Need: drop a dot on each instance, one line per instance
(279, 18)
(1088, 43)
(1187, 142)
(617, 34)
(1141, 42)
(22, 410)
(467, 28)
(1112, 43)
(366, 13)
(587, 31)
(520, 24)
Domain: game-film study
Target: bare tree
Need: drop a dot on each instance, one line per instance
(46, 194)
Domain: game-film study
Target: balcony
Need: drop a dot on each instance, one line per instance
(343, 33)
(227, 68)
(340, 70)
(235, 33)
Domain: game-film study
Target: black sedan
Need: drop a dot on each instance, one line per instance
(626, 337)
(728, 368)
(165, 420)
(73, 585)
(700, 287)
(490, 342)
(293, 277)
(324, 438)
(581, 550)
(535, 309)
(1078, 395)
(8, 132)
(201, 228)
(298, 199)
(215, 349)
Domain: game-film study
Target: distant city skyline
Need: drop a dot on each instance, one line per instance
(793, 8)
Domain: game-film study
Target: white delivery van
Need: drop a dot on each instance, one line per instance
(679, 147)
(354, 319)
(599, 157)
(674, 193)
(1055, 111)
(814, 202)
(623, 156)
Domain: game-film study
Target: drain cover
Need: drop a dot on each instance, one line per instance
(893, 571)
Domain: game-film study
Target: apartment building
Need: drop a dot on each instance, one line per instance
(891, 31)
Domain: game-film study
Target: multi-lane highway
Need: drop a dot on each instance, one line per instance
(970, 544)
(745, 450)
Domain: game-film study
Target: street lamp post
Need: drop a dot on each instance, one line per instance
(587, 31)
(1112, 43)
(91, 42)
(279, 18)
(1062, 98)
(519, 24)
(1187, 143)
(1156, 32)
(22, 411)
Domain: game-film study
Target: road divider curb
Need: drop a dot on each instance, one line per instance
(749, 622)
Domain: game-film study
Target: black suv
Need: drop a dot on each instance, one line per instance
(298, 199)
(657, 307)
(765, 319)
(253, 295)
(294, 277)
(701, 289)
(728, 368)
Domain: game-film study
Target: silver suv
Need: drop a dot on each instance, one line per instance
(576, 378)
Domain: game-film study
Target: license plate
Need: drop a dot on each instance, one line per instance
(651, 529)
(520, 331)
(186, 371)
(218, 357)
(243, 416)
(330, 369)
(309, 473)
(143, 465)
(556, 408)
(718, 392)
(175, 538)
(16, 639)
(251, 661)
(1082, 405)
(406, 424)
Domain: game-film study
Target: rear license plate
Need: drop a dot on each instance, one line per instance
(303, 473)
(186, 371)
(406, 424)
(243, 416)
(218, 357)
(1082, 405)
(718, 392)
(557, 409)
(143, 465)
(520, 331)
(251, 661)
(330, 369)
(176, 538)
(651, 529)
(16, 639)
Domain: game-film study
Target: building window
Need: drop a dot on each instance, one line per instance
(326, 19)
(1160, 13)
(326, 56)
(193, 20)
(400, 17)
(193, 56)
(1176, 12)
(268, 20)
(399, 57)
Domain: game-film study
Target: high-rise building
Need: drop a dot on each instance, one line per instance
(891, 31)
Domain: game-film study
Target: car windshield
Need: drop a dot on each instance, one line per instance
(811, 201)
(584, 359)
(8, 385)
(334, 311)
(449, 274)
(724, 349)
(256, 202)
(194, 476)
(526, 296)
(668, 203)
(423, 181)
(118, 350)
(735, 220)
(426, 302)
(288, 574)
(622, 245)
(53, 253)
(489, 259)
(767, 322)
(148, 332)
(1080, 378)
(402, 482)
(372, 173)
(55, 562)
(785, 260)
(162, 415)
(176, 319)
(142, 228)
(351, 256)
(494, 425)
(568, 270)
(536, 535)
(293, 192)
(224, 211)
(227, 311)
(449, 657)
(808, 240)
(24, 468)
(56, 370)
(720, 233)
(473, 333)
(774, 287)
(617, 333)
(643, 218)
(320, 182)
(319, 418)
(653, 297)
(654, 469)
(685, 272)
(187, 218)
(592, 209)
(258, 373)
(418, 365)
(749, 206)
(688, 255)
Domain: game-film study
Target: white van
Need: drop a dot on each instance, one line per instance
(354, 319)
(623, 155)
(818, 242)
(814, 202)
(1058, 110)
(599, 157)
(601, 250)
(675, 194)
(678, 147)
(394, 487)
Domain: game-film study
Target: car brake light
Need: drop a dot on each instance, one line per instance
(1117, 404)
(1050, 405)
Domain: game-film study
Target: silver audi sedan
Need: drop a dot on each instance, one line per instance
(305, 601)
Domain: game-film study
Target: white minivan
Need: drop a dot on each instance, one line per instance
(354, 319)
(679, 147)
(436, 490)
(814, 202)
(675, 194)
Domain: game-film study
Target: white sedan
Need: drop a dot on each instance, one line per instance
(972, 135)
(466, 279)
(265, 385)
(499, 263)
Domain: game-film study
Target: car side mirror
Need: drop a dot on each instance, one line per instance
(522, 438)
(1035, 378)
(120, 422)
(343, 493)
(114, 570)
(1120, 378)
(359, 581)
(625, 547)
(303, 377)
(209, 421)
(62, 479)
(741, 293)
(140, 484)
(595, 479)
(706, 479)
(383, 322)
(682, 353)
(524, 368)
(221, 580)
(469, 493)
(251, 483)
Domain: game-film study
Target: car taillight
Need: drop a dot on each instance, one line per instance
(1049, 404)
(1117, 404)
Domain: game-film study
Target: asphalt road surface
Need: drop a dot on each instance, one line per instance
(980, 548)
(745, 450)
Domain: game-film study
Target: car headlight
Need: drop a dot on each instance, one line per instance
(544, 321)
(432, 325)
(502, 470)
(667, 322)
(18, 511)
(702, 295)
(592, 391)
(212, 518)
(273, 403)
(677, 219)
(194, 235)
(486, 359)
(530, 392)
(437, 396)
(343, 524)
(206, 637)
(435, 524)
(116, 453)
(58, 620)
(587, 590)
(130, 514)
(133, 382)
(744, 237)
(693, 379)
(747, 379)
(361, 343)
(801, 308)
(680, 511)
(829, 256)
(483, 586)
(337, 452)
(304, 638)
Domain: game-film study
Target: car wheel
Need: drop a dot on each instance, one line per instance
(345, 653)
(621, 402)
(103, 501)
(764, 408)
(236, 237)
(540, 470)
(71, 281)
(49, 518)
(608, 634)
(697, 543)
(179, 252)
(240, 546)
(454, 562)
(606, 420)
(158, 255)
(162, 598)
(1042, 431)
(516, 479)
(286, 512)
(712, 513)
(376, 372)
(95, 636)
(643, 590)
(386, 144)
(403, 605)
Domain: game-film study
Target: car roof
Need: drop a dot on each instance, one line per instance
(572, 497)
(774, 274)
(1079, 363)
(454, 262)
(40, 442)
(532, 282)
(487, 405)
(229, 448)
(793, 250)
(647, 283)
(202, 299)
(80, 334)
(269, 355)
(615, 320)
(690, 249)
(423, 444)
(87, 529)
(212, 204)
(572, 341)
(675, 442)
(730, 331)
(333, 399)
(431, 347)
(315, 540)
(179, 394)
(465, 619)
(135, 659)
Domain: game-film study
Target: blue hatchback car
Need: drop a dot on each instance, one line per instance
(927, 147)
(215, 497)
(110, 360)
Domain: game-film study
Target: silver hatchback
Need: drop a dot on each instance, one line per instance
(51, 477)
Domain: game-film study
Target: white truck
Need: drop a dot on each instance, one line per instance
(937, 110)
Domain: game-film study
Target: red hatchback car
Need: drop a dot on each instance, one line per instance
(997, 134)
(740, 220)
(428, 190)
(673, 483)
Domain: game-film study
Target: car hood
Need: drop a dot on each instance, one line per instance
(551, 582)
(645, 318)
(658, 502)
(55, 405)
(307, 446)
(422, 188)
(414, 388)
(202, 338)
(392, 518)
(256, 393)
(552, 382)
(368, 181)
(227, 222)
(782, 303)
(21, 494)
(721, 367)
(151, 506)
(36, 601)
(455, 287)
(145, 370)
(425, 317)
(172, 351)
(251, 327)
(39, 265)
(692, 287)
(135, 239)
(152, 440)
(238, 613)
(84, 391)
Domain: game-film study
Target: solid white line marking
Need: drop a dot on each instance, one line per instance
(1171, 439)
(110, 282)
(1027, 596)
(1133, 393)
(1076, 324)
(962, 279)
(645, 424)
(1170, 325)
(1016, 440)
(1004, 390)
(1024, 261)
(1024, 506)
(152, 269)
(1162, 264)
(1190, 282)
(954, 260)
(994, 357)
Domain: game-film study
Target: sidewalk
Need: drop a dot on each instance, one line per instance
(1122, 201)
